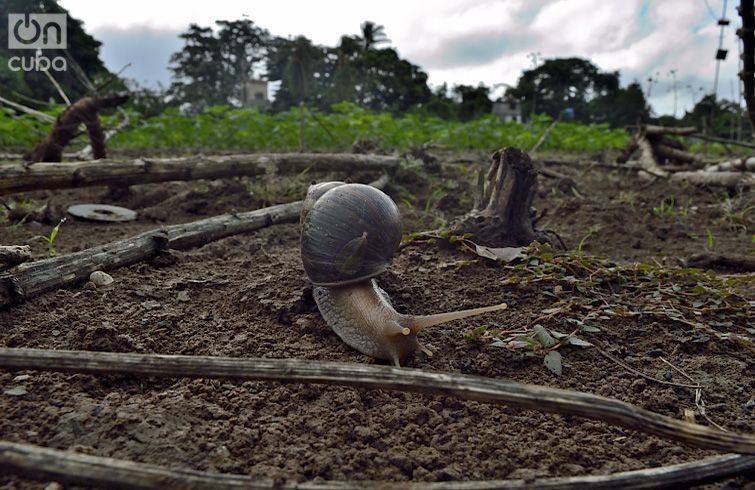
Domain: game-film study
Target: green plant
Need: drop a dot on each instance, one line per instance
(709, 240)
(738, 212)
(50, 239)
(593, 229)
(224, 127)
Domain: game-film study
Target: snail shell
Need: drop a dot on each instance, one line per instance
(349, 234)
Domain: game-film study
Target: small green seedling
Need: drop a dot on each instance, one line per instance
(710, 241)
(50, 239)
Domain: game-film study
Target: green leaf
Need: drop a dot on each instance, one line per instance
(576, 341)
(543, 337)
(552, 361)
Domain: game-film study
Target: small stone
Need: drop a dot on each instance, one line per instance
(183, 296)
(151, 305)
(55, 333)
(101, 279)
(16, 391)
(21, 377)
(221, 452)
(54, 486)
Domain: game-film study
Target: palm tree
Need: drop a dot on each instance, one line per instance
(373, 34)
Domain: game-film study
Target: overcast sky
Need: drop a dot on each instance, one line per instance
(455, 41)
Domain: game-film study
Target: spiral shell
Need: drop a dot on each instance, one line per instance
(349, 235)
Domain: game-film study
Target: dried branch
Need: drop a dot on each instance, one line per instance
(58, 87)
(543, 136)
(35, 278)
(11, 255)
(40, 463)
(731, 180)
(725, 141)
(385, 378)
(86, 152)
(660, 130)
(28, 110)
(720, 262)
(84, 111)
(19, 178)
(647, 160)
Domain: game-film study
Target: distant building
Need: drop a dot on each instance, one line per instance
(255, 94)
(508, 109)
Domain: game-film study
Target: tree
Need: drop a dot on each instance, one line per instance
(475, 101)
(300, 67)
(346, 75)
(441, 105)
(211, 68)
(388, 83)
(718, 117)
(372, 34)
(622, 107)
(562, 83)
(82, 56)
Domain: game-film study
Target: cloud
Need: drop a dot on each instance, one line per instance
(148, 50)
(455, 41)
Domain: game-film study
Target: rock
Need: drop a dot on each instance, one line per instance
(16, 391)
(101, 279)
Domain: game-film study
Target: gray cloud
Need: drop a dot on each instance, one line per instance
(473, 49)
(148, 51)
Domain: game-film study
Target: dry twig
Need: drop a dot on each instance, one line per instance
(475, 388)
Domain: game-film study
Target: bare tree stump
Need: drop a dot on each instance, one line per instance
(84, 111)
(506, 220)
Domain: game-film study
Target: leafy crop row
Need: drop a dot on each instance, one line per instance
(225, 128)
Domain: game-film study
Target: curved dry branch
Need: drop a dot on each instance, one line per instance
(380, 377)
(40, 463)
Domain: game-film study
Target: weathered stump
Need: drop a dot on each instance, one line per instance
(503, 215)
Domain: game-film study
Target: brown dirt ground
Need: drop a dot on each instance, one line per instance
(248, 296)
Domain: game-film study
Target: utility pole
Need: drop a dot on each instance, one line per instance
(739, 91)
(672, 72)
(720, 56)
(535, 59)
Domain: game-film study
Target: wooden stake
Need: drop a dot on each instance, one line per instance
(475, 388)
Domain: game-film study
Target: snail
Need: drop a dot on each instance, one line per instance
(349, 232)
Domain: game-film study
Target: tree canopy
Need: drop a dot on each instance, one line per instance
(211, 67)
(577, 85)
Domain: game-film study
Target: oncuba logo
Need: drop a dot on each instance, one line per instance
(37, 31)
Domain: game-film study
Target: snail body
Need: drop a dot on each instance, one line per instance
(349, 234)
